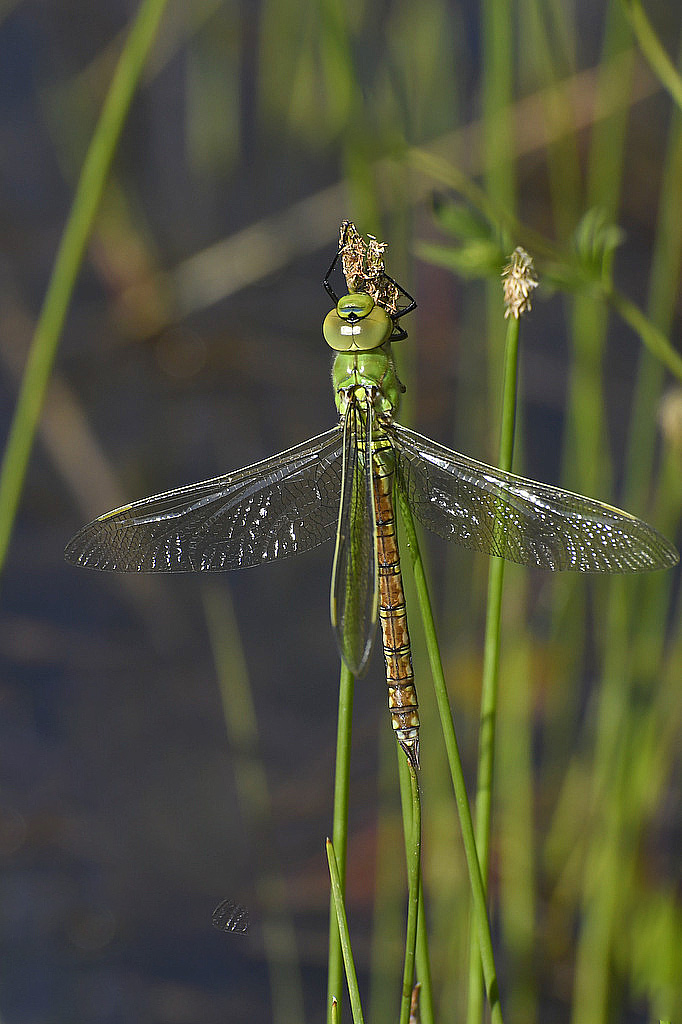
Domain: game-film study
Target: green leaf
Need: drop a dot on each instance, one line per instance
(478, 259)
(595, 239)
(460, 219)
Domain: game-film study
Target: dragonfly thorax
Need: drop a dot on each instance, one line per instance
(357, 324)
(369, 378)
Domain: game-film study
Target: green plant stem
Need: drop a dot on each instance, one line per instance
(340, 828)
(479, 910)
(68, 260)
(388, 916)
(426, 1011)
(650, 45)
(412, 820)
(497, 89)
(491, 664)
(342, 927)
(422, 958)
(654, 339)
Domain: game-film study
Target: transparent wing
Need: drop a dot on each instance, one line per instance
(528, 522)
(354, 576)
(229, 916)
(275, 508)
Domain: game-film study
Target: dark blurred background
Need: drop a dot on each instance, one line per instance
(193, 347)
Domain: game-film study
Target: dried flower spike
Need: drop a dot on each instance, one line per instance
(363, 267)
(519, 279)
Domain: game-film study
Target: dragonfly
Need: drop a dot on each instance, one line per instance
(341, 486)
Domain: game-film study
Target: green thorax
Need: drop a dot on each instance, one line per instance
(360, 331)
(364, 374)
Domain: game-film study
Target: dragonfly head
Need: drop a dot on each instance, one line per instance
(357, 324)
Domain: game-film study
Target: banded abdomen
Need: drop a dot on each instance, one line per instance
(402, 695)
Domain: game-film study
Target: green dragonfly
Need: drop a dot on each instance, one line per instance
(340, 485)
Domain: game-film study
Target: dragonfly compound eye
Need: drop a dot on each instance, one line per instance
(355, 306)
(357, 324)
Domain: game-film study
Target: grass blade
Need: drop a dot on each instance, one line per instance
(491, 665)
(68, 260)
(342, 923)
(340, 829)
(413, 831)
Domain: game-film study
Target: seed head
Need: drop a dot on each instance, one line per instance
(519, 279)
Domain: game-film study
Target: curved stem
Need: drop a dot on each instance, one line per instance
(456, 772)
(654, 339)
(68, 261)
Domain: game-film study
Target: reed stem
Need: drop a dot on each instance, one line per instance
(412, 818)
(342, 931)
(491, 665)
(340, 829)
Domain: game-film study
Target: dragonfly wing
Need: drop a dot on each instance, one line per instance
(229, 916)
(525, 521)
(275, 508)
(354, 576)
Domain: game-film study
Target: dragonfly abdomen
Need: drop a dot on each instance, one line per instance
(402, 695)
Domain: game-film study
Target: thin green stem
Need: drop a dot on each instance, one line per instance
(511, 359)
(654, 339)
(340, 828)
(650, 45)
(545, 68)
(413, 840)
(342, 926)
(68, 260)
(663, 286)
(388, 916)
(426, 1011)
(422, 959)
(491, 663)
(497, 89)
(478, 892)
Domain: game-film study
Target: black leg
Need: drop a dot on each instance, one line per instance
(330, 291)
